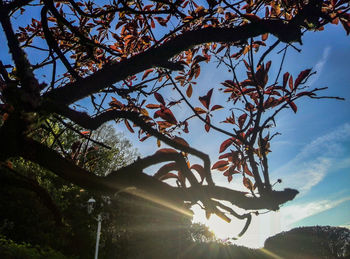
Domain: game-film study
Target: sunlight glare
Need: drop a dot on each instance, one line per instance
(259, 230)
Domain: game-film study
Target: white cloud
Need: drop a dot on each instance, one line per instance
(316, 160)
(327, 144)
(294, 213)
(347, 225)
(320, 64)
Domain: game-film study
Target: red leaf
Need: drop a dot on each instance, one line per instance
(199, 169)
(241, 120)
(164, 124)
(301, 77)
(144, 138)
(293, 106)
(181, 141)
(166, 150)
(226, 155)
(223, 168)
(229, 172)
(219, 164)
(251, 17)
(246, 65)
(205, 100)
(128, 126)
(51, 19)
(165, 169)
(186, 127)
(246, 170)
(200, 10)
(116, 103)
(199, 110)
(161, 21)
(207, 124)
(305, 93)
(147, 72)
(248, 183)
(267, 66)
(216, 107)
(153, 106)
(230, 119)
(166, 114)
(224, 145)
(290, 83)
(285, 79)
(152, 24)
(199, 58)
(189, 91)
(159, 98)
(264, 36)
(114, 48)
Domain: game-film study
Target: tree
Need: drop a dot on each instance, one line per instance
(201, 233)
(311, 242)
(45, 210)
(129, 54)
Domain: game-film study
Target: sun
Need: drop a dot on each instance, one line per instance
(229, 231)
(221, 228)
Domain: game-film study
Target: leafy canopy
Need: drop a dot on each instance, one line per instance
(123, 59)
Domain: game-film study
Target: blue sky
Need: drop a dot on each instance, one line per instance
(313, 152)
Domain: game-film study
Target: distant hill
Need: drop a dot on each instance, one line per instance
(299, 243)
(311, 242)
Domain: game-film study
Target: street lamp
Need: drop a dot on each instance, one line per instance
(91, 206)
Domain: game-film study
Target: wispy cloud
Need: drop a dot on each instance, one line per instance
(327, 145)
(347, 225)
(294, 213)
(316, 160)
(320, 64)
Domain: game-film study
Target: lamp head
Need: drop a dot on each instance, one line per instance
(91, 205)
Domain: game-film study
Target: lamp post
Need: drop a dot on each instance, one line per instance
(91, 205)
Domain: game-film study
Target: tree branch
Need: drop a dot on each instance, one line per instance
(271, 201)
(53, 45)
(155, 57)
(23, 67)
(132, 176)
(86, 121)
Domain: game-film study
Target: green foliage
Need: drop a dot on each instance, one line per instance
(201, 233)
(12, 250)
(29, 192)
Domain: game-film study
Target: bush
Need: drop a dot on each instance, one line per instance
(11, 250)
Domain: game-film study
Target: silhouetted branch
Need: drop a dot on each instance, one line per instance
(87, 122)
(132, 177)
(155, 57)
